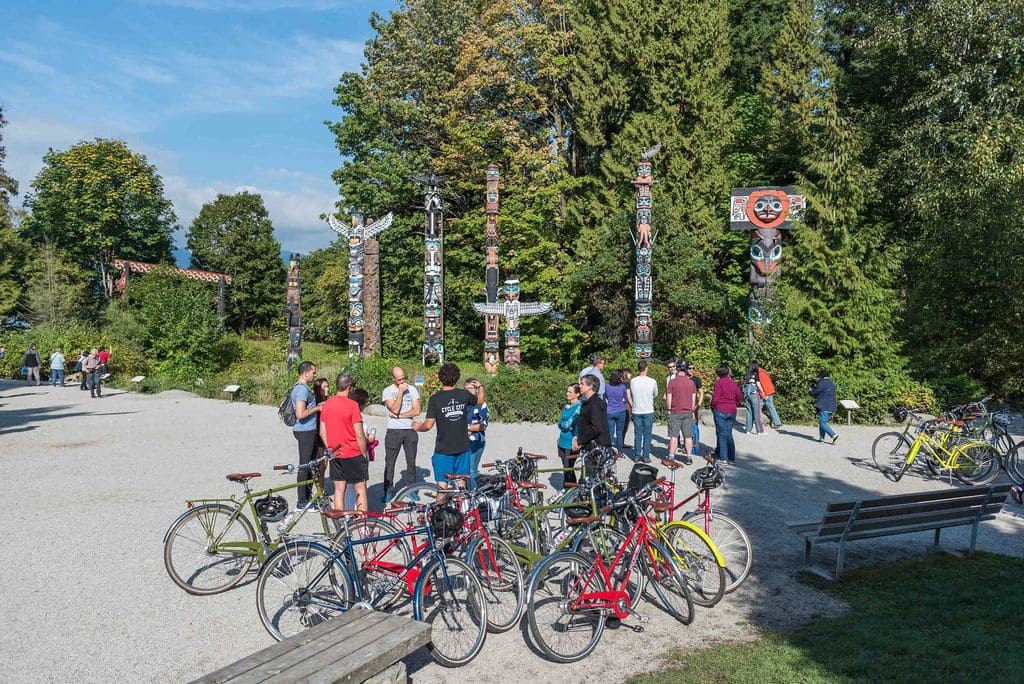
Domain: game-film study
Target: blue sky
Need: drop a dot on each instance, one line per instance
(220, 95)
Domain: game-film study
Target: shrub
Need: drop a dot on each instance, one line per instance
(72, 338)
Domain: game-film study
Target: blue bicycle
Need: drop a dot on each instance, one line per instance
(307, 582)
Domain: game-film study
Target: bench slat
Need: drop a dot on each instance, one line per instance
(384, 651)
(939, 495)
(911, 515)
(865, 512)
(910, 526)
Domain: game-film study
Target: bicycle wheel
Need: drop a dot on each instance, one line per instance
(194, 549)
(450, 598)
(732, 542)
(379, 562)
(606, 541)
(695, 556)
(418, 493)
(515, 528)
(1014, 464)
(561, 628)
(976, 463)
(889, 452)
(669, 583)
(301, 585)
(501, 578)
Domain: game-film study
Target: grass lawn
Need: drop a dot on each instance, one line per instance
(943, 619)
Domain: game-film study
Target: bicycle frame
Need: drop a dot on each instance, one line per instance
(616, 599)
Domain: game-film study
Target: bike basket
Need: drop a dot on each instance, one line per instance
(491, 485)
(596, 459)
(523, 469)
(489, 509)
(642, 474)
(708, 477)
(271, 508)
(446, 521)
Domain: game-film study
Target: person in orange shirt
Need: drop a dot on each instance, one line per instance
(768, 395)
(341, 429)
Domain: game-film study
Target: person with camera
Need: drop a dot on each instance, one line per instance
(824, 392)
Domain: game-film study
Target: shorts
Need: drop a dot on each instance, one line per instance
(680, 424)
(453, 464)
(352, 470)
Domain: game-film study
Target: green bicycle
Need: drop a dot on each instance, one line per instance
(212, 545)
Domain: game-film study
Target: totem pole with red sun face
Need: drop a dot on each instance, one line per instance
(765, 211)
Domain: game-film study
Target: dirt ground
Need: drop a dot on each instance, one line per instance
(93, 485)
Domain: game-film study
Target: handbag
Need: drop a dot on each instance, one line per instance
(24, 371)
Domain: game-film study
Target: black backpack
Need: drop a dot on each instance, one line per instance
(287, 409)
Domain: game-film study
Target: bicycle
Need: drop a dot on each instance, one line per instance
(211, 547)
(570, 596)
(307, 582)
(727, 536)
(972, 462)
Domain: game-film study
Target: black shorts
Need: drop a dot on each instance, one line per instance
(351, 470)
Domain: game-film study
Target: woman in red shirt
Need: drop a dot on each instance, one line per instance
(724, 400)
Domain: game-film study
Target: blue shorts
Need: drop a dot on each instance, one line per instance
(453, 464)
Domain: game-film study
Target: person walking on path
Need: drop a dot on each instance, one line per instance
(681, 403)
(725, 398)
(752, 393)
(642, 390)
(476, 426)
(91, 371)
(32, 363)
(305, 429)
(768, 391)
(567, 425)
(690, 371)
(617, 398)
(341, 429)
(80, 367)
(448, 410)
(824, 393)
(592, 427)
(595, 368)
(57, 368)
(402, 402)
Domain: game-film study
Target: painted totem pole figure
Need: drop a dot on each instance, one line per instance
(294, 312)
(765, 211)
(491, 321)
(643, 239)
(512, 309)
(433, 269)
(357, 235)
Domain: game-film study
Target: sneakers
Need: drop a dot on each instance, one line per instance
(835, 438)
(1015, 492)
(684, 458)
(301, 505)
(386, 499)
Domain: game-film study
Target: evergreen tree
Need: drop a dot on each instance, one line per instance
(57, 291)
(234, 235)
(11, 247)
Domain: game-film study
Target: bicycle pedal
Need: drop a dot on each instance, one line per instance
(636, 629)
(640, 618)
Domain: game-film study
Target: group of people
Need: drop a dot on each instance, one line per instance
(92, 365)
(336, 423)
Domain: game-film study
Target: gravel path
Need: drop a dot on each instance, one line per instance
(94, 483)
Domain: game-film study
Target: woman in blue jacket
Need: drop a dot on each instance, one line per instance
(567, 430)
(824, 393)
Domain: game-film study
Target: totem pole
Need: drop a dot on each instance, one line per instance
(294, 312)
(357, 235)
(643, 240)
(765, 211)
(433, 269)
(512, 309)
(491, 288)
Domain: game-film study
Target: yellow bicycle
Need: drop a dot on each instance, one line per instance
(973, 462)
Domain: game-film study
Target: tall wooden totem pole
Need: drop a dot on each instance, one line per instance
(358, 312)
(643, 240)
(433, 269)
(294, 312)
(491, 321)
(765, 211)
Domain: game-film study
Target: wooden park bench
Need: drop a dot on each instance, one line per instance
(891, 515)
(356, 646)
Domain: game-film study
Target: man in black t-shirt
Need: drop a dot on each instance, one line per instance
(447, 409)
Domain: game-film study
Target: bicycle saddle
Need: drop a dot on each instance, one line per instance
(535, 457)
(450, 476)
(582, 521)
(242, 477)
(335, 513)
(531, 485)
(660, 507)
(571, 485)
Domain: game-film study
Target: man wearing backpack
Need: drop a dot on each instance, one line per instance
(32, 363)
(305, 428)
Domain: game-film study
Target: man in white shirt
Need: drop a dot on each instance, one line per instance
(642, 389)
(595, 368)
(402, 402)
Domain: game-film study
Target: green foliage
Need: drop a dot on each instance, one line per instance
(56, 291)
(72, 337)
(233, 234)
(12, 259)
(178, 326)
(96, 201)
